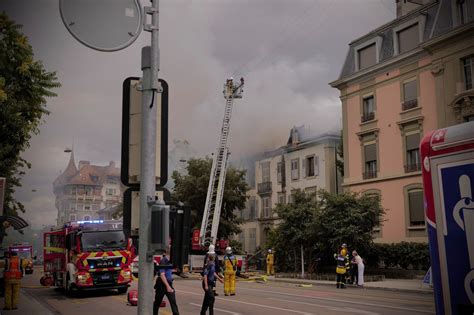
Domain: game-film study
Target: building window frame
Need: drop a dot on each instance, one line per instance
(265, 171)
(279, 172)
(87, 218)
(468, 83)
(412, 188)
(408, 128)
(281, 198)
(367, 116)
(295, 169)
(266, 207)
(368, 138)
(377, 40)
(420, 20)
(72, 217)
(376, 192)
(310, 166)
(411, 103)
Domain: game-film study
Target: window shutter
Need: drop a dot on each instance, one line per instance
(367, 56)
(409, 91)
(415, 200)
(316, 165)
(370, 153)
(408, 38)
(413, 141)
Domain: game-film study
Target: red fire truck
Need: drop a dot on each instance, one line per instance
(87, 255)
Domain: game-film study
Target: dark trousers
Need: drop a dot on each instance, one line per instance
(209, 299)
(354, 274)
(160, 292)
(340, 280)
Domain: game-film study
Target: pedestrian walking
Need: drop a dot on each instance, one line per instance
(230, 265)
(360, 268)
(12, 276)
(164, 285)
(342, 265)
(208, 284)
(211, 252)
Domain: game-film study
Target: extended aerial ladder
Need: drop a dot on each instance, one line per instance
(215, 191)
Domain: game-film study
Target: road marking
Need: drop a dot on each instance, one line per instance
(346, 301)
(248, 303)
(331, 308)
(217, 309)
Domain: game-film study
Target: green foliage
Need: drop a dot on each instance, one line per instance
(24, 87)
(321, 225)
(191, 188)
(340, 153)
(237, 247)
(403, 255)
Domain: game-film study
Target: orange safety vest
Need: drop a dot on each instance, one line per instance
(13, 271)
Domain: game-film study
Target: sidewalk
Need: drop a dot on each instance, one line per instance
(401, 285)
(27, 305)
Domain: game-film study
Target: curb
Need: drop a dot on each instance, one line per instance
(406, 290)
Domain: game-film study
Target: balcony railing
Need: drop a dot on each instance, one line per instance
(367, 117)
(409, 104)
(264, 188)
(369, 174)
(412, 167)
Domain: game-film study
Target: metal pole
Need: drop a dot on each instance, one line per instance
(150, 86)
(302, 262)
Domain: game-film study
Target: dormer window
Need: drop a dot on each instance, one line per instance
(408, 35)
(462, 11)
(367, 53)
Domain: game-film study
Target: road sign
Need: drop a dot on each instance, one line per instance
(131, 208)
(448, 178)
(3, 183)
(131, 134)
(102, 25)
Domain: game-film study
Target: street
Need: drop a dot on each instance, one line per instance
(252, 298)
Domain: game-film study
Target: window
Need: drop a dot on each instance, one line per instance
(370, 157)
(408, 38)
(312, 191)
(110, 192)
(310, 164)
(87, 206)
(281, 198)
(367, 56)
(253, 208)
(295, 169)
(89, 191)
(252, 240)
(87, 218)
(72, 217)
(279, 172)
(242, 240)
(415, 207)
(80, 206)
(412, 153)
(410, 95)
(72, 190)
(266, 207)
(468, 69)
(265, 172)
(368, 108)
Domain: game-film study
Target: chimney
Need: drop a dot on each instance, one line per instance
(83, 163)
(295, 138)
(406, 6)
(112, 164)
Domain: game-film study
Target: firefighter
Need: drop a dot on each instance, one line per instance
(230, 269)
(342, 265)
(211, 252)
(12, 275)
(270, 262)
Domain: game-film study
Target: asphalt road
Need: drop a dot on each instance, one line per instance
(251, 298)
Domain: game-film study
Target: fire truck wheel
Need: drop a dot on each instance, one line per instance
(122, 290)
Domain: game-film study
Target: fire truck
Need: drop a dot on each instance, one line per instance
(25, 252)
(88, 255)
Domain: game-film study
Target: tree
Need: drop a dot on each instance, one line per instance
(191, 188)
(24, 87)
(321, 225)
(340, 153)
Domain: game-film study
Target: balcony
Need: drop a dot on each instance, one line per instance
(367, 117)
(264, 188)
(409, 168)
(409, 104)
(369, 175)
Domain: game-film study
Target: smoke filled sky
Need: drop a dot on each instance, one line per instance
(287, 50)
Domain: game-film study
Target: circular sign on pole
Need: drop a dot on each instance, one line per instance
(105, 25)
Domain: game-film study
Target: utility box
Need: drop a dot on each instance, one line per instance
(448, 177)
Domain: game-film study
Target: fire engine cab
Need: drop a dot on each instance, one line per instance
(87, 255)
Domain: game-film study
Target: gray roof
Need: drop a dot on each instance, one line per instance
(438, 21)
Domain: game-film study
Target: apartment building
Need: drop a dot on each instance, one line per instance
(306, 162)
(401, 80)
(87, 192)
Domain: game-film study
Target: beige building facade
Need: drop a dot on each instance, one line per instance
(306, 162)
(403, 79)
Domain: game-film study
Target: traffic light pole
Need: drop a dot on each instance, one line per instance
(150, 86)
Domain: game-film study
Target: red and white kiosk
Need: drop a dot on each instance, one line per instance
(448, 176)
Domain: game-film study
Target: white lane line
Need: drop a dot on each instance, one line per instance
(217, 309)
(248, 303)
(331, 308)
(346, 301)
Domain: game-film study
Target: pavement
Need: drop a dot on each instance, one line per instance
(27, 305)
